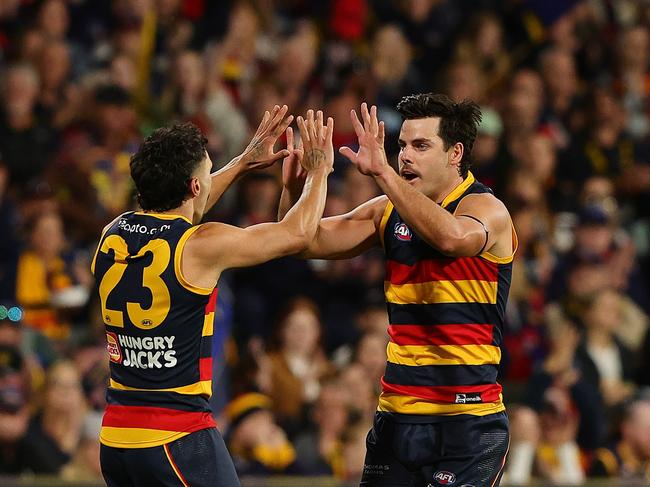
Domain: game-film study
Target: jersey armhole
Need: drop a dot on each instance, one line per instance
(384, 220)
(178, 271)
(504, 260)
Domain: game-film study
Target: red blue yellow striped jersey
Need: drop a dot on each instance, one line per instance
(446, 319)
(158, 331)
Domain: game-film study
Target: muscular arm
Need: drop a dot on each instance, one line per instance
(348, 235)
(337, 237)
(216, 247)
(223, 246)
(455, 234)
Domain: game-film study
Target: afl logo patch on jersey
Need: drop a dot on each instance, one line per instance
(444, 478)
(402, 232)
(113, 348)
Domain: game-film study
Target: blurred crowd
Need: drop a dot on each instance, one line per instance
(564, 87)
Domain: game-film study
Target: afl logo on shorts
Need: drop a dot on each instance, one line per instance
(113, 348)
(444, 478)
(402, 232)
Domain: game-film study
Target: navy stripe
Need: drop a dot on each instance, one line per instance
(171, 400)
(206, 347)
(443, 313)
(440, 375)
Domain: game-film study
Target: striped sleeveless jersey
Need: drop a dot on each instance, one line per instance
(446, 319)
(158, 331)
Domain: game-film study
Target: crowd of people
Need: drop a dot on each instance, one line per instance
(564, 89)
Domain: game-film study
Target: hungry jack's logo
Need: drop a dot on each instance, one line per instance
(113, 348)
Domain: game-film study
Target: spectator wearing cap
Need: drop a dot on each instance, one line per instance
(256, 442)
(599, 242)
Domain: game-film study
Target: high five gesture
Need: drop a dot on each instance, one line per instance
(370, 159)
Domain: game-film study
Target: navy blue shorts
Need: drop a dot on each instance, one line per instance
(468, 452)
(198, 459)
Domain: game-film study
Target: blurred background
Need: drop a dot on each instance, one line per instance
(564, 87)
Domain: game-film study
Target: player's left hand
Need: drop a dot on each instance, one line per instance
(259, 153)
(370, 159)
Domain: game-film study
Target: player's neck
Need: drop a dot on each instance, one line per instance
(451, 185)
(186, 210)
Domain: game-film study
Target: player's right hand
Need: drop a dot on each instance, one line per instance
(293, 174)
(317, 141)
(259, 153)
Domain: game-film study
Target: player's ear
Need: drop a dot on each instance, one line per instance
(455, 154)
(194, 187)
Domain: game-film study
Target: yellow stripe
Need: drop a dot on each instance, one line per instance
(469, 291)
(137, 437)
(164, 216)
(459, 190)
(384, 219)
(101, 239)
(178, 254)
(202, 387)
(415, 355)
(173, 465)
(395, 403)
(208, 325)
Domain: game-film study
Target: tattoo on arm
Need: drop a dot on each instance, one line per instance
(313, 159)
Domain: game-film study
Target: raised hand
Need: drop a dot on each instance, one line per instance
(317, 141)
(370, 159)
(259, 153)
(293, 174)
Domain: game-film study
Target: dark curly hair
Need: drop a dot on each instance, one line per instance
(458, 121)
(163, 166)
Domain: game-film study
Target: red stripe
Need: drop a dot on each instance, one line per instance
(444, 394)
(447, 269)
(156, 418)
(205, 368)
(212, 302)
(469, 334)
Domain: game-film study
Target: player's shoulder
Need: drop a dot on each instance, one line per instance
(485, 201)
(378, 203)
(115, 221)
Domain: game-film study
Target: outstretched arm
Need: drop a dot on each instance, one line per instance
(218, 246)
(337, 237)
(477, 223)
(258, 154)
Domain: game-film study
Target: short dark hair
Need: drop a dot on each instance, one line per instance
(458, 121)
(163, 166)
